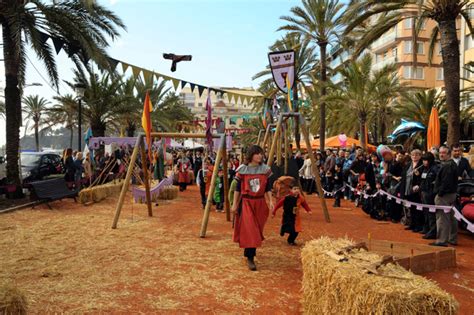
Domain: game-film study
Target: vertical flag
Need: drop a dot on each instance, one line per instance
(86, 141)
(289, 93)
(209, 121)
(146, 121)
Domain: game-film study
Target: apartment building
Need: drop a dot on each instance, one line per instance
(232, 111)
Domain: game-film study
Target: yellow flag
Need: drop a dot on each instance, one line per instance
(290, 106)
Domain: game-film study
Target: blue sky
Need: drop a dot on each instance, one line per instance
(228, 39)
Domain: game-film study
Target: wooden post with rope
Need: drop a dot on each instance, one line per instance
(146, 178)
(207, 209)
(225, 168)
(118, 209)
(274, 142)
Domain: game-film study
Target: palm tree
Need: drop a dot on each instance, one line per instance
(2, 109)
(64, 112)
(171, 114)
(34, 108)
(103, 98)
(318, 21)
(82, 26)
(358, 93)
(305, 61)
(445, 12)
(417, 106)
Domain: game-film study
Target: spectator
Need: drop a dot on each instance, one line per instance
(78, 170)
(445, 188)
(464, 169)
(330, 161)
(306, 175)
(428, 177)
(410, 190)
(86, 164)
(69, 167)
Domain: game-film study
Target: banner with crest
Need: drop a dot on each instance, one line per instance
(282, 64)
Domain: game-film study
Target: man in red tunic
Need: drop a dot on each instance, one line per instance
(183, 167)
(251, 196)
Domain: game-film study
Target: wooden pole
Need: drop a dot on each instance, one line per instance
(314, 168)
(207, 209)
(266, 137)
(259, 138)
(279, 146)
(146, 178)
(287, 153)
(274, 142)
(225, 168)
(127, 181)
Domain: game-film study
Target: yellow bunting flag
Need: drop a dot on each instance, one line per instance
(136, 71)
(124, 66)
(175, 83)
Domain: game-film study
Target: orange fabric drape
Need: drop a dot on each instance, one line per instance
(433, 136)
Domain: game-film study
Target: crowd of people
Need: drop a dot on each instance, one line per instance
(429, 178)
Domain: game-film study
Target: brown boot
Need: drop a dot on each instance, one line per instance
(251, 264)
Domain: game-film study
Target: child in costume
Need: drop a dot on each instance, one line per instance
(219, 192)
(291, 221)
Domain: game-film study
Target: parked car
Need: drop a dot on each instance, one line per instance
(3, 168)
(37, 165)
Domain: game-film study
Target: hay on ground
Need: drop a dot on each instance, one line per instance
(99, 193)
(12, 300)
(169, 193)
(331, 286)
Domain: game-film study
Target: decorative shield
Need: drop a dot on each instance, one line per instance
(282, 64)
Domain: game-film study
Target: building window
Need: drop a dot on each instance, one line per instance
(440, 74)
(410, 73)
(377, 58)
(407, 23)
(385, 55)
(200, 104)
(468, 72)
(394, 52)
(468, 43)
(408, 47)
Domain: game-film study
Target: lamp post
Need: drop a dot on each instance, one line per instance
(79, 89)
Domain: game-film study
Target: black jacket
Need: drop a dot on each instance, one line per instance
(464, 168)
(428, 178)
(447, 178)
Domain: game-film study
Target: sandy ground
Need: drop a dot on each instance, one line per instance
(69, 259)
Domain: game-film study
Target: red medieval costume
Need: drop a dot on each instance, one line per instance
(252, 183)
(291, 220)
(183, 166)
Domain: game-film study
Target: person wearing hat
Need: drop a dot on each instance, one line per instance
(428, 177)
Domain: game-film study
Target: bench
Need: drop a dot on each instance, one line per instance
(52, 189)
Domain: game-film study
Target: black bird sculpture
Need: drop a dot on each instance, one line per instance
(176, 59)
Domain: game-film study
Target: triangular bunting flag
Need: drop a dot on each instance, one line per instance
(183, 84)
(136, 71)
(192, 85)
(113, 63)
(175, 83)
(124, 66)
(165, 77)
(58, 44)
(147, 75)
(201, 89)
(237, 98)
(157, 76)
(43, 37)
(73, 48)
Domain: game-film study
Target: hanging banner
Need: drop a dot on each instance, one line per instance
(282, 64)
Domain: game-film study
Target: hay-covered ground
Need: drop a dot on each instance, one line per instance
(69, 260)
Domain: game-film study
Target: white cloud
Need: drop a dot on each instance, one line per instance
(112, 2)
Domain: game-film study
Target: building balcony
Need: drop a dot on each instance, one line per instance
(388, 60)
(387, 40)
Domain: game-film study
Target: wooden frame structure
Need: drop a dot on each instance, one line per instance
(140, 145)
(276, 147)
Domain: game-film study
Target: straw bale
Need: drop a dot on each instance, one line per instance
(12, 300)
(334, 287)
(169, 193)
(99, 193)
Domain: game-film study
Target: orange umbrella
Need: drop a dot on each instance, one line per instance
(433, 137)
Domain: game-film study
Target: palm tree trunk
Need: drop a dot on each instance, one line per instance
(450, 54)
(297, 121)
(11, 55)
(322, 108)
(131, 130)
(37, 142)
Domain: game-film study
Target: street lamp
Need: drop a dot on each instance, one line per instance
(79, 89)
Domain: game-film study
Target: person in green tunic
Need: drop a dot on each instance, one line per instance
(219, 192)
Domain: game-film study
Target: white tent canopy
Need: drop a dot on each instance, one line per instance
(190, 144)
